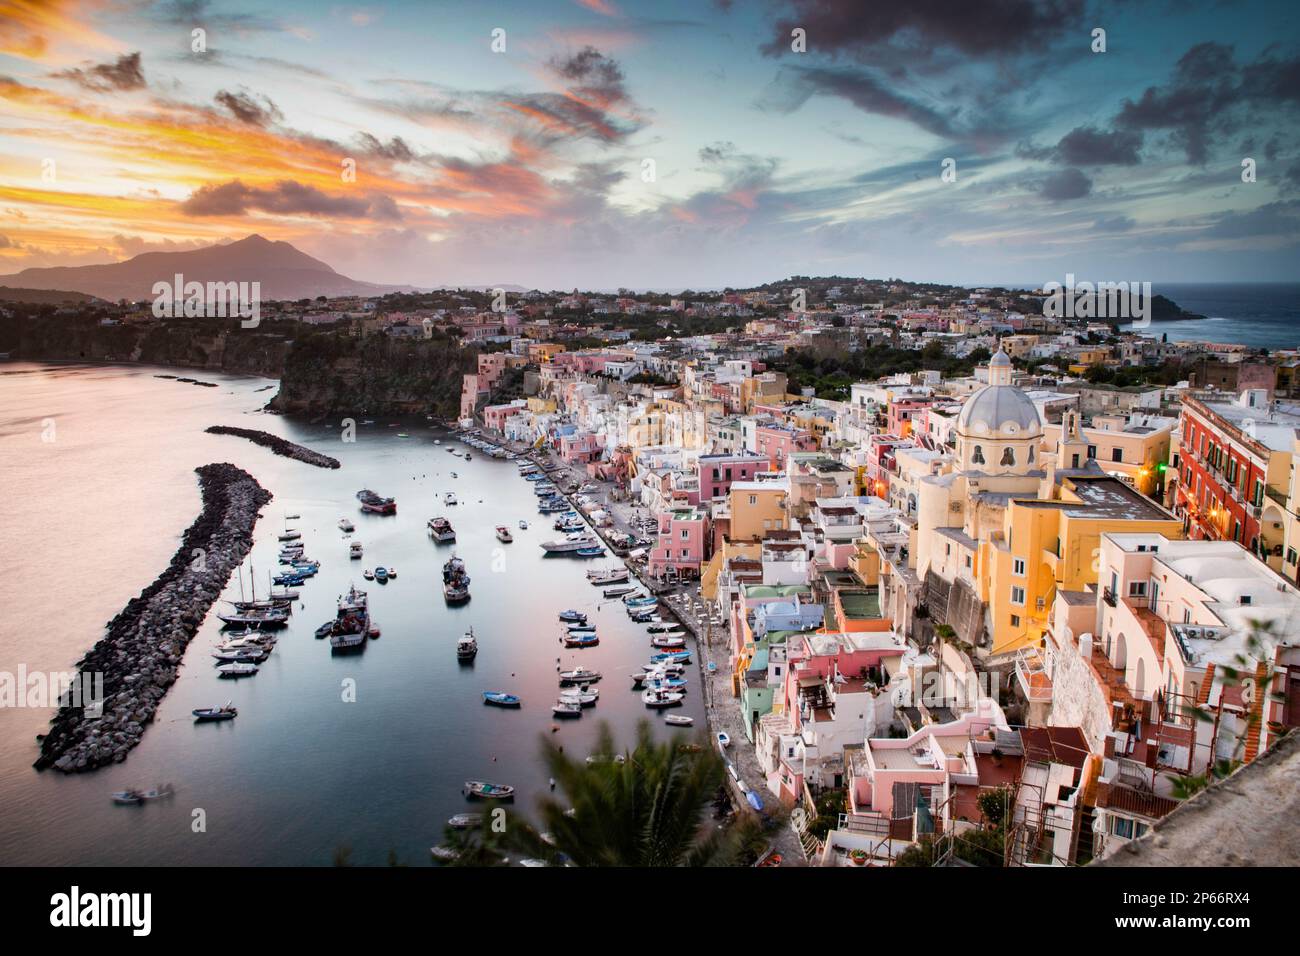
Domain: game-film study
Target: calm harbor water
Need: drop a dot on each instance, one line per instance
(1256, 314)
(91, 517)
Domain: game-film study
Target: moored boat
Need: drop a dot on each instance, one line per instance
(237, 669)
(355, 550)
(466, 821)
(504, 535)
(567, 709)
(467, 646)
(579, 675)
(381, 574)
(608, 576)
(441, 530)
(668, 640)
(481, 790)
(376, 504)
(346, 526)
(216, 713)
(455, 582)
(352, 623)
(679, 720)
(576, 617)
(581, 639)
(498, 698)
(655, 698)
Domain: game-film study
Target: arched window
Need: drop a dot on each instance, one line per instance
(978, 457)
(1008, 456)
(1031, 454)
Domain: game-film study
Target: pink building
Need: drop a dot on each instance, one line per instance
(778, 442)
(490, 367)
(680, 550)
(494, 416)
(717, 472)
(580, 447)
(902, 412)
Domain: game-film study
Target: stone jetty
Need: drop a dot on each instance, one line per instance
(278, 445)
(145, 643)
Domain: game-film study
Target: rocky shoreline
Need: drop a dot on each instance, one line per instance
(145, 643)
(278, 445)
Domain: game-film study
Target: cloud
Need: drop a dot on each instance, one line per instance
(1210, 95)
(593, 105)
(923, 29)
(125, 73)
(1089, 146)
(286, 197)
(1065, 184)
(246, 108)
(395, 149)
(859, 87)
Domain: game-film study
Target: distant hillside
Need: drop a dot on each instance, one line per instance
(43, 296)
(283, 271)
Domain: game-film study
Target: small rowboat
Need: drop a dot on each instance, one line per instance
(579, 676)
(238, 669)
(664, 627)
(668, 640)
(500, 699)
(216, 713)
(444, 853)
(679, 720)
(324, 629)
(723, 740)
(577, 617)
(478, 789)
(618, 592)
(581, 639)
(504, 535)
(567, 708)
(466, 821)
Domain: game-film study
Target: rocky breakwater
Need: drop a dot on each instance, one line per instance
(142, 650)
(278, 445)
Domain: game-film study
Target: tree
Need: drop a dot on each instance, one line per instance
(650, 809)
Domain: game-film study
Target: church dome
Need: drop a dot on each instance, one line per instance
(999, 411)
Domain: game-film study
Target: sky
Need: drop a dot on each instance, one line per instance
(600, 144)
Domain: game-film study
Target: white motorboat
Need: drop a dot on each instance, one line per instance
(346, 526)
(355, 550)
(655, 698)
(679, 720)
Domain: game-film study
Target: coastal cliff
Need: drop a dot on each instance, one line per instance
(332, 374)
(208, 344)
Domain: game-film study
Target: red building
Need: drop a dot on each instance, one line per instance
(1234, 469)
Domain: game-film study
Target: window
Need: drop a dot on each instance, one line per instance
(685, 534)
(1122, 827)
(1092, 451)
(1137, 589)
(1017, 595)
(1008, 456)
(753, 499)
(1031, 454)
(1015, 620)
(1117, 454)
(978, 456)
(1018, 567)
(968, 560)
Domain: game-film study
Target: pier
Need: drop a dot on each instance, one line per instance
(280, 446)
(140, 655)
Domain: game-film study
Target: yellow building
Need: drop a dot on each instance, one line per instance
(756, 507)
(542, 406)
(1012, 524)
(1052, 543)
(543, 352)
(1131, 451)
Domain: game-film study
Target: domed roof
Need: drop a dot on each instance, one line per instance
(999, 410)
(1000, 359)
